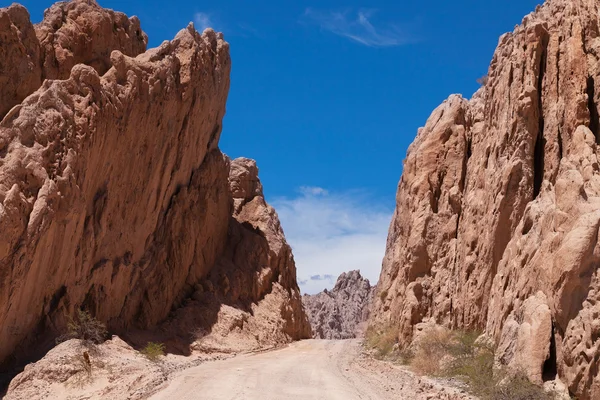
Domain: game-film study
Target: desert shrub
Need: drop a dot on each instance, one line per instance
(517, 387)
(153, 351)
(401, 356)
(82, 367)
(472, 361)
(381, 339)
(431, 351)
(85, 328)
(460, 354)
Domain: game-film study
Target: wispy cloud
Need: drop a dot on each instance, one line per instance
(358, 27)
(202, 21)
(332, 232)
(313, 191)
(328, 278)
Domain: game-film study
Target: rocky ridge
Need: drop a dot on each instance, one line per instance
(496, 226)
(115, 371)
(340, 313)
(114, 195)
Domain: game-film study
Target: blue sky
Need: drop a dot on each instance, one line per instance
(327, 96)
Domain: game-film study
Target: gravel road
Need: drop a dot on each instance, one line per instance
(311, 369)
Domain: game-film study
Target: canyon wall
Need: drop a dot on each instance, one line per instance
(498, 208)
(114, 195)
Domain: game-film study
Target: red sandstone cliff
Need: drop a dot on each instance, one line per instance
(114, 195)
(497, 219)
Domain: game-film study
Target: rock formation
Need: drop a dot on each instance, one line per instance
(497, 219)
(114, 195)
(340, 313)
(76, 32)
(115, 371)
(250, 299)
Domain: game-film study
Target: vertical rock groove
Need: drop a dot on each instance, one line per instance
(593, 108)
(540, 142)
(549, 369)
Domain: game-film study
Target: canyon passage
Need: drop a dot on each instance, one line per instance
(137, 260)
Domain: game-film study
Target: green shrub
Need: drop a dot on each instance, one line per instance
(471, 361)
(153, 351)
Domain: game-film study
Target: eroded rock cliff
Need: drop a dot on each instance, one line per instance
(250, 299)
(496, 225)
(342, 312)
(114, 195)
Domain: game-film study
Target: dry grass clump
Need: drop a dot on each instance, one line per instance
(460, 354)
(431, 351)
(381, 339)
(153, 351)
(518, 387)
(83, 364)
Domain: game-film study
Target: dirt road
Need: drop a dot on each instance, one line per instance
(311, 369)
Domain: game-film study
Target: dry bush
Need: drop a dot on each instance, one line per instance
(84, 364)
(401, 357)
(461, 355)
(381, 339)
(83, 367)
(153, 351)
(85, 328)
(517, 387)
(472, 361)
(431, 351)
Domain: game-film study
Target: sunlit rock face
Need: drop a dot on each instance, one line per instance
(497, 217)
(114, 195)
(340, 313)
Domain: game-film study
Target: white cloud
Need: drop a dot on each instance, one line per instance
(313, 190)
(331, 233)
(357, 26)
(202, 21)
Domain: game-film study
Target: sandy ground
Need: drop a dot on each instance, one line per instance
(311, 369)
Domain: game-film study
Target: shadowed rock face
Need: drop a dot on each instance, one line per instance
(250, 299)
(496, 225)
(114, 196)
(340, 313)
